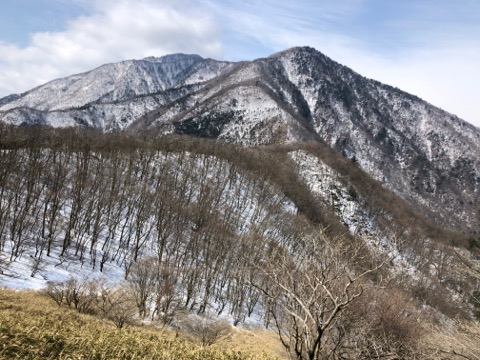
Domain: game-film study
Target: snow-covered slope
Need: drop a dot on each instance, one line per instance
(424, 154)
(427, 156)
(162, 200)
(119, 81)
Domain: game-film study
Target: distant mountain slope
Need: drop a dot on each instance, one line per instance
(422, 153)
(119, 81)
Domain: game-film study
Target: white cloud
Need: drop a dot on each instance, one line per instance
(114, 31)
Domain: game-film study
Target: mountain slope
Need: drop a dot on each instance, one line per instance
(119, 81)
(425, 155)
(420, 152)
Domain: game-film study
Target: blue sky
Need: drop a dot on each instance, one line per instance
(430, 48)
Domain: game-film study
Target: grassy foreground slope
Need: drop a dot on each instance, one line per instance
(33, 327)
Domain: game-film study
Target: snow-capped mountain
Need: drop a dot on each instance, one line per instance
(425, 155)
(119, 81)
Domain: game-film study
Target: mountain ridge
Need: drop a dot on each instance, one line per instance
(149, 75)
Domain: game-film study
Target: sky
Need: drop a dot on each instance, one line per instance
(430, 48)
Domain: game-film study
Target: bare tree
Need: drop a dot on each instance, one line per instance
(56, 179)
(306, 286)
(142, 279)
(167, 300)
(78, 196)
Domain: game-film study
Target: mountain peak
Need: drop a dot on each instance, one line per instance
(113, 82)
(173, 58)
(296, 50)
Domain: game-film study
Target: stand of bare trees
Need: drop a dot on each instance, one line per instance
(195, 232)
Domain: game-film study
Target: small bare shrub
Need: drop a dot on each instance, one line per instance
(56, 291)
(387, 325)
(205, 329)
(81, 294)
(118, 305)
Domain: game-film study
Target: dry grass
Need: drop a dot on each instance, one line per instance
(252, 341)
(34, 327)
(457, 340)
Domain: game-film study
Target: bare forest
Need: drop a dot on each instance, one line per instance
(219, 230)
